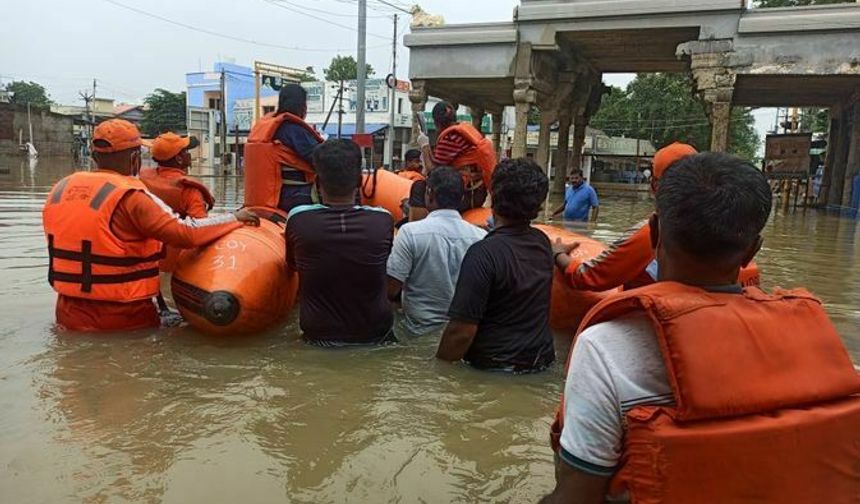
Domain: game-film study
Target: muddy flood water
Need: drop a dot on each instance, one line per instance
(176, 417)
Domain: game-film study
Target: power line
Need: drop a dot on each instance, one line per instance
(282, 6)
(401, 9)
(218, 34)
(322, 11)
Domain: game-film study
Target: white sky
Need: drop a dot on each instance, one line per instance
(64, 44)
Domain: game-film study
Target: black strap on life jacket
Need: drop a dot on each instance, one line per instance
(87, 259)
(368, 189)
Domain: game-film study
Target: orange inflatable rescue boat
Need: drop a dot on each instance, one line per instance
(240, 283)
(382, 188)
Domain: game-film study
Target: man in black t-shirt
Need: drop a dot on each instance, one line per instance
(500, 311)
(340, 251)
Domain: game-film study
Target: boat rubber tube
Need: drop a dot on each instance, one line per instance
(568, 305)
(238, 284)
(385, 189)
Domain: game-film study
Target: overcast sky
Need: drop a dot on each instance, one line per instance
(64, 44)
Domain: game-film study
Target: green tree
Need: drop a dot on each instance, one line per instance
(662, 108)
(29, 92)
(164, 111)
(344, 68)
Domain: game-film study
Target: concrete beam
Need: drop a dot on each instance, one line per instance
(462, 34)
(543, 10)
(842, 17)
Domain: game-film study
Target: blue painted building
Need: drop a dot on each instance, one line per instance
(204, 89)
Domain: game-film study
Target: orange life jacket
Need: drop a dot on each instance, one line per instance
(624, 264)
(767, 402)
(411, 175)
(169, 189)
(265, 157)
(85, 259)
(482, 157)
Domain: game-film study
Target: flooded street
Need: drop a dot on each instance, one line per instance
(173, 416)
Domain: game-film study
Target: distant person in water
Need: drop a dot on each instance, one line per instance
(500, 310)
(580, 199)
(340, 252)
(427, 255)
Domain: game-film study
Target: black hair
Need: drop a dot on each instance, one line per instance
(338, 166)
(576, 171)
(444, 115)
(293, 99)
(519, 189)
(713, 206)
(447, 186)
(412, 154)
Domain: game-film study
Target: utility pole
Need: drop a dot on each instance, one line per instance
(362, 66)
(340, 110)
(392, 131)
(224, 122)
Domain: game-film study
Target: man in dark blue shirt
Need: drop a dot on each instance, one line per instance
(340, 252)
(295, 189)
(579, 199)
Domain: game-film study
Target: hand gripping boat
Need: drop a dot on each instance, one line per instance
(240, 283)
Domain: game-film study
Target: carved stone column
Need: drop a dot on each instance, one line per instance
(497, 132)
(547, 119)
(837, 154)
(524, 99)
(418, 97)
(561, 164)
(715, 85)
(852, 164)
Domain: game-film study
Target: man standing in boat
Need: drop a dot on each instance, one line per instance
(279, 170)
(465, 148)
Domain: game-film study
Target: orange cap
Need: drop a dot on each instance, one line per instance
(167, 145)
(115, 135)
(669, 155)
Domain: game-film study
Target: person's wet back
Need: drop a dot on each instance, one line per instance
(500, 310)
(105, 236)
(340, 251)
(695, 389)
(426, 258)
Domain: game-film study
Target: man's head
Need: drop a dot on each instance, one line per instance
(444, 189)
(711, 209)
(116, 147)
(293, 99)
(338, 167)
(576, 178)
(666, 157)
(412, 159)
(170, 149)
(519, 190)
(444, 115)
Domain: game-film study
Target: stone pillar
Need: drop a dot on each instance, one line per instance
(477, 114)
(715, 85)
(524, 98)
(547, 118)
(418, 97)
(837, 154)
(579, 125)
(562, 160)
(852, 163)
(497, 132)
(830, 157)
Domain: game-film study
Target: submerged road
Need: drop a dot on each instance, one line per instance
(172, 416)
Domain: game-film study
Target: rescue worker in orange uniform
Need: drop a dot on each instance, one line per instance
(695, 389)
(279, 170)
(170, 181)
(627, 260)
(463, 147)
(105, 236)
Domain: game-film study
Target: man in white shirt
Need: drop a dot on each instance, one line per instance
(425, 260)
